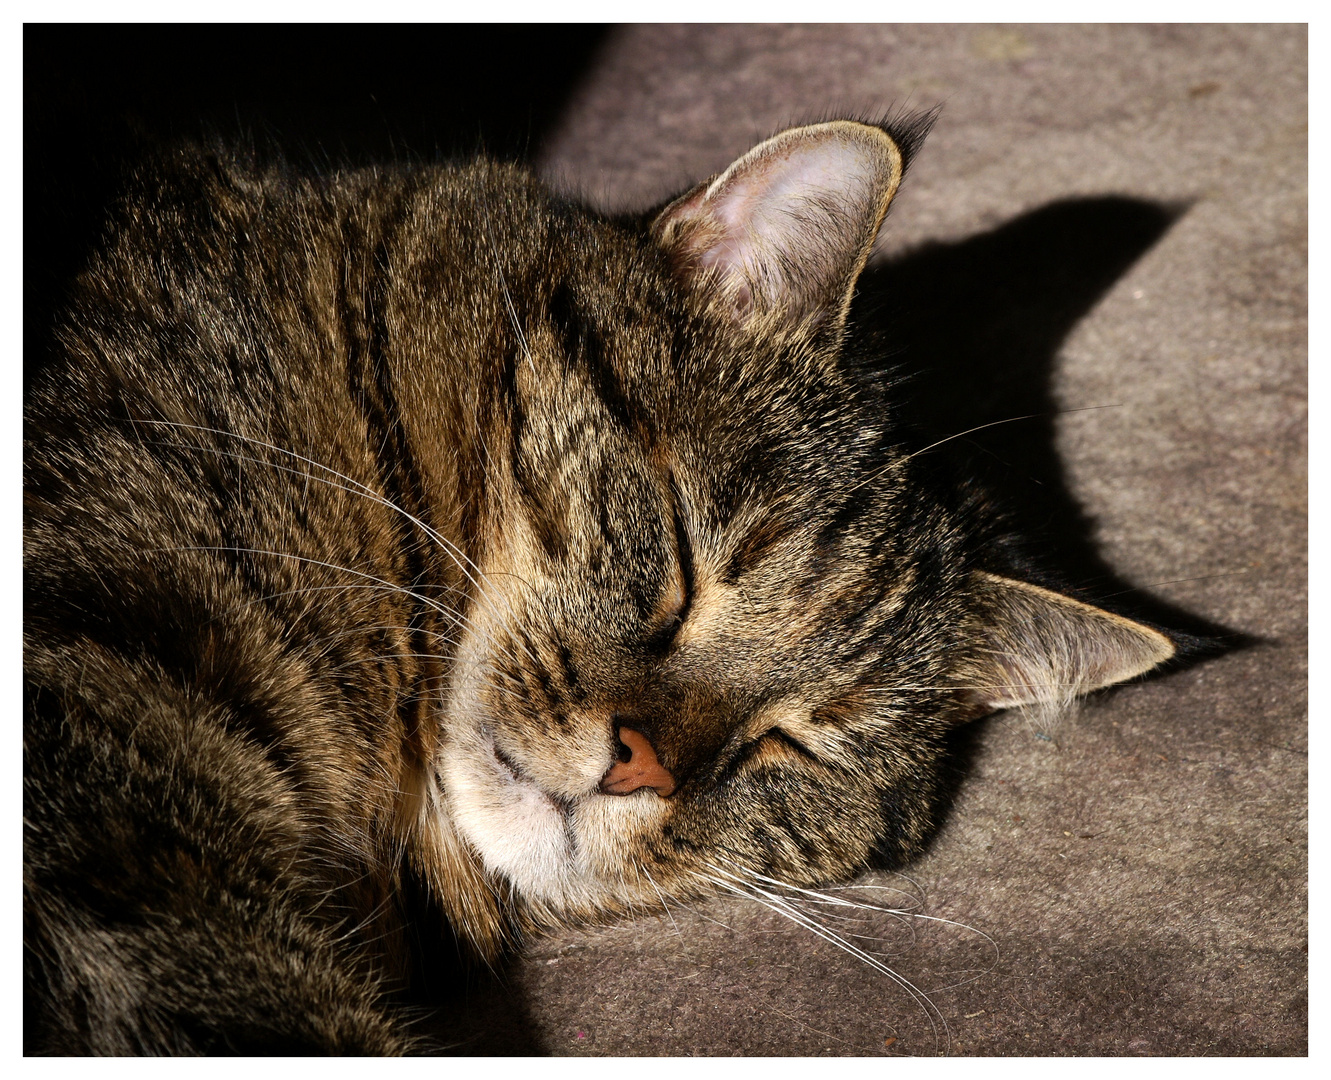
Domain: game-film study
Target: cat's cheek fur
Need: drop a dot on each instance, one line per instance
(517, 830)
(612, 833)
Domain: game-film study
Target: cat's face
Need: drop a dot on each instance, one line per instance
(717, 626)
(703, 576)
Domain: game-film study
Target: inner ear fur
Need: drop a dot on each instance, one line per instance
(785, 231)
(1035, 646)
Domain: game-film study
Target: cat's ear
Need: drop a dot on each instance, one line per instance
(786, 230)
(1040, 647)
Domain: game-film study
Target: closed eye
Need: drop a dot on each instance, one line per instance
(772, 749)
(772, 743)
(678, 600)
(780, 735)
(685, 555)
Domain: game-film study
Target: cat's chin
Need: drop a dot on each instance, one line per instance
(518, 830)
(561, 854)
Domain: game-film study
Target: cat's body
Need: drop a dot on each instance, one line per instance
(417, 533)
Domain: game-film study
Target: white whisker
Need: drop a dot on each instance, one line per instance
(660, 894)
(970, 431)
(740, 887)
(459, 557)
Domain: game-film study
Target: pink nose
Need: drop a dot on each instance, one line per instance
(641, 770)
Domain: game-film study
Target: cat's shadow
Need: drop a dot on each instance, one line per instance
(975, 327)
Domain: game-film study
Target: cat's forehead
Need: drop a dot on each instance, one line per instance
(627, 401)
(648, 348)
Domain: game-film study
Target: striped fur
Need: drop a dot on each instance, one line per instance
(364, 511)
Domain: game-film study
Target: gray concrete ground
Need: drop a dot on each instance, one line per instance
(1103, 216)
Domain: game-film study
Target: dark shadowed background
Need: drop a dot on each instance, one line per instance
(1106, 233)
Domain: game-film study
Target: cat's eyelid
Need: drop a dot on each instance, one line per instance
(672, 611)
(679, 598)
(781, 735)
(673, 608)
(684, 583)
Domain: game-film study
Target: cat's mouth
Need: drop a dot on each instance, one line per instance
(547, 825)
(512, 773)
(563, 849)
(508, 763)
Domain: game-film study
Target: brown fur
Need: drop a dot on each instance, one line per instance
(363, 512)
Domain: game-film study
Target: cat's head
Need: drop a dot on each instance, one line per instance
(718, 624)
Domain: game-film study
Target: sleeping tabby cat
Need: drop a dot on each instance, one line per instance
(413, 540)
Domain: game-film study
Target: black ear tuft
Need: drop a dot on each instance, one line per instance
(909, 130)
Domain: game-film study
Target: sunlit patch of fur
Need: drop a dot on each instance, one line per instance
(1044, 650)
